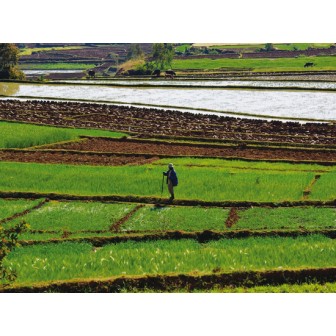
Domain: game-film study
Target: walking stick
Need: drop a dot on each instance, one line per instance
(162, 185)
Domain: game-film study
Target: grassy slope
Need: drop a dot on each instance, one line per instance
(16, 135)
(279, 64)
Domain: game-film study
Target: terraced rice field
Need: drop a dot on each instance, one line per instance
(254, 209)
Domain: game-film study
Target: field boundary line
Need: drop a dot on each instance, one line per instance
(307, 191)
(232, 218)
(115, 227)
(25, 212)
(171, 281)
(157, 200)
(200, 236)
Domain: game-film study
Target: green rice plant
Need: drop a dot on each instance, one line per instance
(89, 235)
(287, 218)
(222, 184)
(17, 135)
(177, 218)
(200, 183)
(45, 236)
(47, 262)
(325, 187)
(76, 216)
(9, 208)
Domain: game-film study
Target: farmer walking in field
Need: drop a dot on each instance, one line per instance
(172, 180)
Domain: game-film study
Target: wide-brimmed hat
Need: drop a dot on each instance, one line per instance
(170, 165)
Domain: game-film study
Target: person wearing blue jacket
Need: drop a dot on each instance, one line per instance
(172, 180)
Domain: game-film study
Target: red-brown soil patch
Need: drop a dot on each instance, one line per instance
(74, 158)
(232, 218)
(174, 149)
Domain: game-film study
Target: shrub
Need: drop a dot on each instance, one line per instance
(9, 241)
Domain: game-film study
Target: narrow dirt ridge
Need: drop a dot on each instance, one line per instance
(200, 236)
(75, 158)
(157, 200)
(116, 226)
(307, 191)
(233, 217)
(25, 212)
(189, 282)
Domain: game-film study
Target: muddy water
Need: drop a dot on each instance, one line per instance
(287, 104)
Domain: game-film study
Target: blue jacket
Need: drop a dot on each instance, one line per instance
(171, 175)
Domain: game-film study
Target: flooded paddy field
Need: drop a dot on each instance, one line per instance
(304, 104)
(211, 83)
(46, 72)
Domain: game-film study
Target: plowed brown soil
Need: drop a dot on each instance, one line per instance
(150, 122)
(74, 158)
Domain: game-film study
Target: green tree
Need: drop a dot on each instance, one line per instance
(162, 55)
(269, 47)
(8, 242)
(9, 57)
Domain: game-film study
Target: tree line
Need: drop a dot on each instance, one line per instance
(9, 57)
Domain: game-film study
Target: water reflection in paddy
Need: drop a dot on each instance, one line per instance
(298, 104)
(214, 83)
